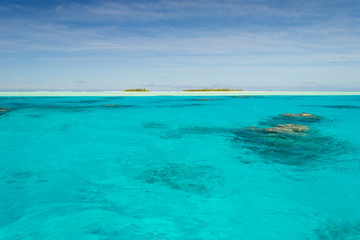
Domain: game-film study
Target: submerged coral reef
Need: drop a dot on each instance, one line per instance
(287, 128)
(192, 179)
(4, 110)
(293, 118)
(291, 142)
(286, 139)
(338, 230)
(298, 114)
(282, 128)
(290, 149)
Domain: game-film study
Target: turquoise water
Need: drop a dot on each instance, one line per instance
(178, 168)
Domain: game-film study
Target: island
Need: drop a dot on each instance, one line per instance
(136, 90)
(212, 90)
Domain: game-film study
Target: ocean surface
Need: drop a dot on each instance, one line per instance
(108, 168)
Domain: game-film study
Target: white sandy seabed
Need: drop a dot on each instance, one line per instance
(164, 93)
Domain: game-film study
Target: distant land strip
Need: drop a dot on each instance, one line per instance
(136, 90)
(212, 90)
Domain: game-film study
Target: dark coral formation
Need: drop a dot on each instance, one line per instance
(334, 106)
(84, 101)
(34, 115)
(11, 98)
(186, 105)
(205, 99)
(292, 143)
(283, 140)
(298, 115)
(192, 179)
(117, 106)
(280, 129)
(20, 177)
(156, 125)
(338, 230)
(4, 110)
(342, 106)
(287, 128)
(290, 149)
(293, 118)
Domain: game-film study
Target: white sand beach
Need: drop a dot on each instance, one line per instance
(167, 93)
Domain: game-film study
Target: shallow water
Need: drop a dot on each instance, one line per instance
(178, 168)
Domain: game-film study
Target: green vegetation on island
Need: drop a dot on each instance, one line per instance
(136, 90)
(212, 90)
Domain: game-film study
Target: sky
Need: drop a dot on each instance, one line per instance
(271, 45)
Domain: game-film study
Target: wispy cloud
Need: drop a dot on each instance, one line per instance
(214, 34)
(66, 27)
(235, 45)
(167, 10)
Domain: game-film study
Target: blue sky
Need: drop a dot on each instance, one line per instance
(172, 44)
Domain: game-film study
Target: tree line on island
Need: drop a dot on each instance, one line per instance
(136, 90)
(190, 90)
(212, 90)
